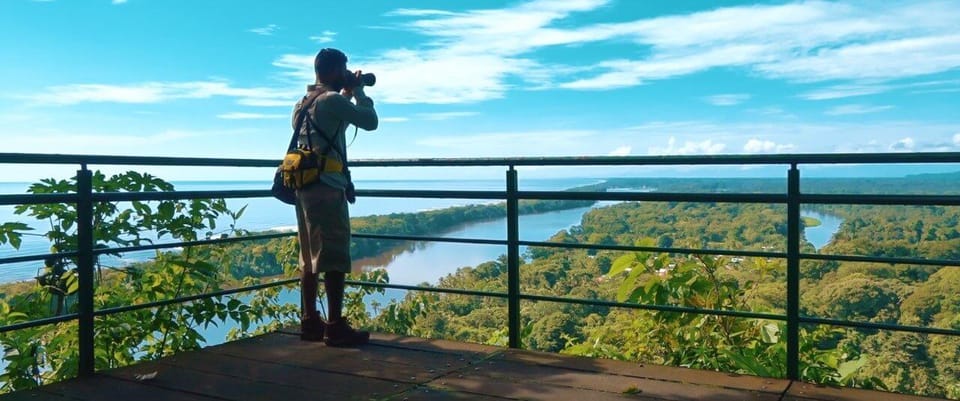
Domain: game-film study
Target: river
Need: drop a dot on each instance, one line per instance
(427, 262)
(821, 235)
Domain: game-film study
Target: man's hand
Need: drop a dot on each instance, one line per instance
(358, 90)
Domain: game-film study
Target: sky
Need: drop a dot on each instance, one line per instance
(482, 79)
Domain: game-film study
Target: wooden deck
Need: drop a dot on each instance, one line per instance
(280, 367)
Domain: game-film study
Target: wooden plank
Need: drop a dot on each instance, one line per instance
(514, 379)
(809, 392)
(386, 357)
(32, 395)
(101, 387)
(437, 394)
(653, 372)
(275, 347)
(426, 344)
(280, 366)
(325, 382)
(498, 388)
(212, 385)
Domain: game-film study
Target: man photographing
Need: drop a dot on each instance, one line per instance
(323, 218)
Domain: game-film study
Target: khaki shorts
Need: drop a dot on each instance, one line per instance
(323, 225)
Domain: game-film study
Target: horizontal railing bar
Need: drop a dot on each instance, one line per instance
(800, 158)
(148, 305)
(866, 199)
(720, 252)
(30, 258)
(881, 259)
(879, 326)
(427, 289)
(660, 308)
(769, 159)
(214, 241)
(420, 238)
(53, 158)
(177, 195)
(654, 196)
(36, 199)
(39, 322)
(433, 194)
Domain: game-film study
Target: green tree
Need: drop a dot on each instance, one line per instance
(45, 354)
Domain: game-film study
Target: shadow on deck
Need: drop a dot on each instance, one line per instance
(280, 367)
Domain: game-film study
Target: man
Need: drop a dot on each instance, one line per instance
(323, 220)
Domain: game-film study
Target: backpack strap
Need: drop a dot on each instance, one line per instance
(331, 141)
(301, 114)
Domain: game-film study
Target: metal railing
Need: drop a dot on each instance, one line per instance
(793, 198)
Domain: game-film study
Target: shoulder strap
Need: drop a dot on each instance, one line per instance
(301, 113)
(330, 146)
(331, 140)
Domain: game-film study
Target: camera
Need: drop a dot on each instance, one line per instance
(352, 81)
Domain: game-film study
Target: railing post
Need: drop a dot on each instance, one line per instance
(793, 273)
(85, 270)
(513, 258)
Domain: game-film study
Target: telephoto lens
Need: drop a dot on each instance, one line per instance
(368, 79)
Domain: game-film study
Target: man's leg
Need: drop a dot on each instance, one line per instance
(334, 283)
(339, 333)
(311, 326)
(308, 293)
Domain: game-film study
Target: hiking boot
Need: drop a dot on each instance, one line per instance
(340, 334)
(312, 328)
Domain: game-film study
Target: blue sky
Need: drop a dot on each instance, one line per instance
(484, 79)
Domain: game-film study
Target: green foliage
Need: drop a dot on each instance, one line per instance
(903, 362)
(45, 354)
(12, 233)
(840, 290)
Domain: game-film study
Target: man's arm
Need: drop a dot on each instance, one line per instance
(362, 114)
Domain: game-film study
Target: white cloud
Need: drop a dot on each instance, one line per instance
(439, 116)
(731, 99)
(324, 37)
(865, 87)
(251, 116)
(394, 119)
(446, 115)
(904, 145)
(412, 12)
(846, 109)
(941, 90)
(478, 52)
(956, 139)
(704, 147)
(809, 41)
(843, 91)
(787, 136)
(468, 56)
(441, 78)
(621, 151)
(265, 30)
(157, 92)
(510, 144)
(888, 59)
(765, 146)
(98, 143)
(775, 111)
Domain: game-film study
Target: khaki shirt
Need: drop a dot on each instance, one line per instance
(332, 113)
